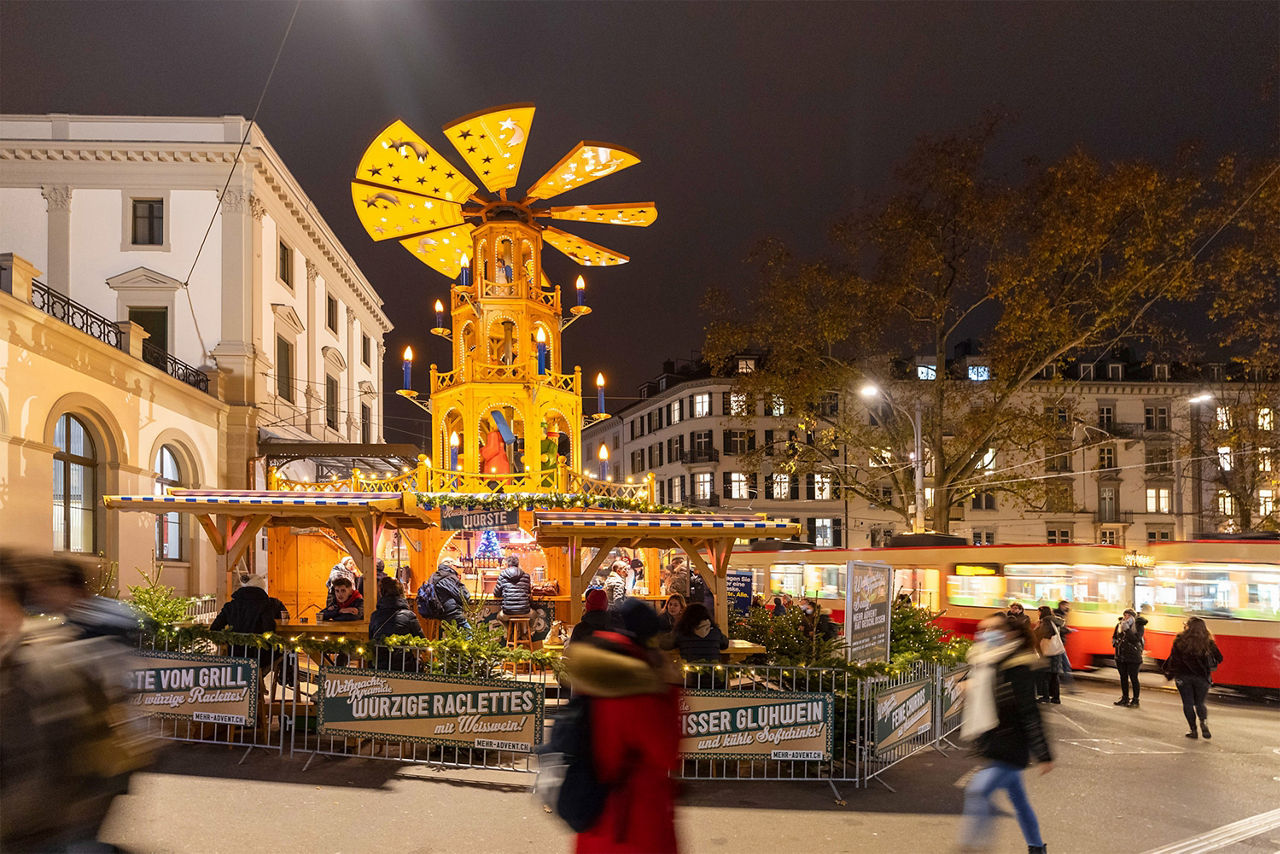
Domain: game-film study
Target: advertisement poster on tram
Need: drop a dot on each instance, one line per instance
(738, 584)
(489, 714)
(203, 688)
(903, 712)
(718, 724)
(867, 611)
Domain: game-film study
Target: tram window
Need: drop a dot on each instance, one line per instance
(918, 583)
(1212, 590)
(824, 580)
(1039, 584)
(1099, 588)
(786, 578)
(981, 591)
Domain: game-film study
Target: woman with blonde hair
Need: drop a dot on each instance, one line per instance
(1190, 665)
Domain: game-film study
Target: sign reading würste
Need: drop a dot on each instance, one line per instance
(206, 688)
(489, 714)
(453, 519)
(903, 712)
(756, 725)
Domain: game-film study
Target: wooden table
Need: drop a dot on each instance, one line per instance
(329, 627)
(739, 650)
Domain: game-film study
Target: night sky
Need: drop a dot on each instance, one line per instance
(752, 120)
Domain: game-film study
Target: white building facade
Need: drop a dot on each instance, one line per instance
(244, 296)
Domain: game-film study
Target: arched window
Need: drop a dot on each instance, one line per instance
(168, 525)
(75, 487)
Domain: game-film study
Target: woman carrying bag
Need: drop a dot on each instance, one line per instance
(1049, 640)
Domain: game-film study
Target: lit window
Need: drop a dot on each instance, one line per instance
(702, 405)
(1223, 418)
(1224, 458)
(737, 403)
(824, 536)
(1266, 502)
(1226, 503)
(988, 460)
(1264, 459)
(702, 486)
(738, 486)
(1158, 499)
(675, 489)
(777, 406)
(676, 412)
(926, 372)
(979, 373)
(1266, 419)
(75, 490)
(880, 458)
(746, 366)
(168, 525)
(822, 487)
(781, 486)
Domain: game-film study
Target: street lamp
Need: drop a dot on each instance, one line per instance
(871, 390)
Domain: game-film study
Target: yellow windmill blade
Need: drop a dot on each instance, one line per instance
(399, 159)
(627, 213)
(442, 250)
(582, 250)
(394, 213)
(492, 142)
(586, 162)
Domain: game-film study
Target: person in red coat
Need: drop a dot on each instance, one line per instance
(635, 732)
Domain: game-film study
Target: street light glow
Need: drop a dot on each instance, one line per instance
(1203, 397)
(869, 390)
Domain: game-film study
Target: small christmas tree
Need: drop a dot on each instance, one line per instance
(488, 548)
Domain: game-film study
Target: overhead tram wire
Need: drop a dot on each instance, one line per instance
(186, 282)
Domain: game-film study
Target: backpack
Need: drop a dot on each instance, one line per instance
(567, 780)
(429, 604)
(697, 588)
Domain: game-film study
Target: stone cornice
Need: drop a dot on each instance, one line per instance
(98, 152)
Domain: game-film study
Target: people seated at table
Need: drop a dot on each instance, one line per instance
(443, 596)
(595, 616)
(697, 637)
(391, 618)
(814, 621)
(670, 614)
(778, 608)
(348, 604)
(344, 568)
(250, 609)
(514, 591)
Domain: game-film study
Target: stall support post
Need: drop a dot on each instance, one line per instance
(576, 581)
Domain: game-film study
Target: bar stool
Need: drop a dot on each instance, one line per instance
(519, 634)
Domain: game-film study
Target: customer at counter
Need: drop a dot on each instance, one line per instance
(446, 596)
(670, 614)
(392, 617)
(348, 604)
(678, 578)
(250, 609)
(615, 586)
(514, 591)
(696, 636)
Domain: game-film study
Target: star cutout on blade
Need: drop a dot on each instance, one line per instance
(370, 202)
(422, 180)
(395, 179)
(466, 134)
(471, 150)
(487, 160)
(375, 170)
(448, 174)
(431, 168)
(508, 124)
(414, 220)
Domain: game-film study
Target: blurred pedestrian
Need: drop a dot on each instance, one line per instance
(778, 608)
(635, 733)
(1017, 613)
(815, 622)
(595, 616)
(393, 618)
(1049, 642)
(1128, 639)
(1002, 720)
(1065, 676)
(1190, 664)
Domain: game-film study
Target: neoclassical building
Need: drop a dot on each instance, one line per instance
(175, 324)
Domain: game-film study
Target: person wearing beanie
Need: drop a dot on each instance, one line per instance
(595, 616)
(250, 609)
(635, 732)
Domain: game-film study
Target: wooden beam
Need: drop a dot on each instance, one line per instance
(601, 553)
(211, 530)
(710, 576)
(240, 536)
(576, 579)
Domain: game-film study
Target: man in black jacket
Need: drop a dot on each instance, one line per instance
(451, 595)
(250, 609)
(514, 590)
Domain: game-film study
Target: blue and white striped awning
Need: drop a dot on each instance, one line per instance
(656, 521)
(221, 500)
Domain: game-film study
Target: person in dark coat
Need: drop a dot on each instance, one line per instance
(1016, 612)
(1129, 640)
(816, 621)
(451, 593)
(514, 590)
(670, 614)
(348, 604)
(678, 578)
(635, 733)
(1048, 632)
(250, 609)
(778, 608)
(392, 617)
(596, 616)
(696, 636)
(1190, 665)
(1002, 719)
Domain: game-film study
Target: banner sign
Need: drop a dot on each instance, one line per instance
(454, 519)
(903, 712)
(756, 725)
(204, 688)
(867, 611)
(953, 687)
(738, 584)
(491, 714)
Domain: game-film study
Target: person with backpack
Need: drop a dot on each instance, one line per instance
(1191, 662)
(1048, 634)
(1128, 639)
(391, 618)
(617, 791)
(1002, 720)
(514, 591)
(443, 596)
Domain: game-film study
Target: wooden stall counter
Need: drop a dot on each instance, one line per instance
(739, 650)
(323, 627)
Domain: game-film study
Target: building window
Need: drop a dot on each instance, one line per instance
(1161, 373)
(739, 486)
(1159, 460)
(1115, 372)
(331, 313)
(926, 372)
(1264, 460)
(701, 405)
(1224, 457)
(616, 441)
(824, 533)
(979, 373)
(746, 366)
(366, 424)
(1107, 507)
(984, 536)
(284, 264)
(822, 487)
(1106, 417)
(675, 412)
(1107, 458)
(700, 443)
(880, 458)
(148, 222)
(366, 350)
(780, 486)
(702, 486)
(1057, 457)
(1157, 418)
(1058, 497)
(1159, 535)
(984, 501)
(168, 525)
(1086, 372)
(1266, 502)
(736, 442)
(675, 490)
(637, 461)
(1057, 414)
(1058, 535)
(1107, 537)
(738, 404)
(331, 401)
(1222, 416)
(1159, 499)
(1266, 419)
(1226, 504)
(284, 369)
(75, 487)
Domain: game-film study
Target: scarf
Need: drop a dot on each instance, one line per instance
(980, 715)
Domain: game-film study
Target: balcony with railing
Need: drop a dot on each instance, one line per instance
(61, 307)
(712, 500)
(699, 455)
(1111, 516)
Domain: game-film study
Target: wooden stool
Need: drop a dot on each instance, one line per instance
(430, 628)
(518, 633)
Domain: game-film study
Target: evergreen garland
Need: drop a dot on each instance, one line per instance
(543, 501)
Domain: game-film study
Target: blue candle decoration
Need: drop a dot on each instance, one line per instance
(439, 315)
(600, 393)
(582, 289)
(604, 469)
(541, 339)
(408, 368)
(464, 277)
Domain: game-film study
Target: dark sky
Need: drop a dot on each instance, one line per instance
(753, 120)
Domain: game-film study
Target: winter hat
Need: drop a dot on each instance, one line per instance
(637, 618)
(597, 600)
(250, 579)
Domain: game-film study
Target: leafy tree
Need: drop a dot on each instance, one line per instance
(1071, 256)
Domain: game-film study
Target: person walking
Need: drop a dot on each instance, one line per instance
(1002, 720)
(1129, 639)
(1190, 665)
(1017, 613)
(635, 733)
(1049, 641)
